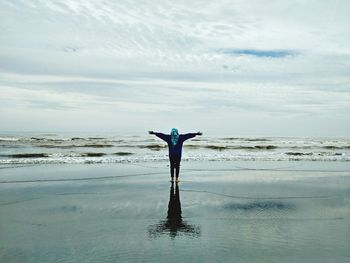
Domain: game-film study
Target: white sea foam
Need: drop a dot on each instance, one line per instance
(9, 139)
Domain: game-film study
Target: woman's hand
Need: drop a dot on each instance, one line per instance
(151, 132)
(199, 133)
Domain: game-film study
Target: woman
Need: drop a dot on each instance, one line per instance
(175, 142)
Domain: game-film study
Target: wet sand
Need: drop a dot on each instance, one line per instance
(219, 212)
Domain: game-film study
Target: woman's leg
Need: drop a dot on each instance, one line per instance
(172, 167)
(177, 167)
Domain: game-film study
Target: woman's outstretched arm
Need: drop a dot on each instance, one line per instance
(190, 135)
(160, 135)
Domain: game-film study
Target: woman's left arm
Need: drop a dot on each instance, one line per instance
(190, 135)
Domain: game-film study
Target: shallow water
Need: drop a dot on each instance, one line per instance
(214, 214)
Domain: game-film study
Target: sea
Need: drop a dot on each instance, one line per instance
(107, 198)
(48, 148)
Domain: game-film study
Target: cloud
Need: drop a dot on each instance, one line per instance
(163, 61)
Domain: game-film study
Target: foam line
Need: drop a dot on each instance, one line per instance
(75, 179)
(261, 198)
(262, 169)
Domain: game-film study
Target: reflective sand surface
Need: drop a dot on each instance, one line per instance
(217, 213)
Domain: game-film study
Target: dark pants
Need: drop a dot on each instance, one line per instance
(175, 165)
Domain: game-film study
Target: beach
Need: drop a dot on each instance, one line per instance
(225, 211)
(248, 99)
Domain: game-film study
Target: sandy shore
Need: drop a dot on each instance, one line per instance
(220, 212)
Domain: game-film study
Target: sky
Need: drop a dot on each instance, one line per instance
(238, 67)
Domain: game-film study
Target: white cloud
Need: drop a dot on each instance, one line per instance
(145, 61)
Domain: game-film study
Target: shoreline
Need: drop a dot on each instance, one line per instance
(22, 173)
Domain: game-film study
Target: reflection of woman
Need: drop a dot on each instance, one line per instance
(175, 142)
(174, 208)
(174, 223)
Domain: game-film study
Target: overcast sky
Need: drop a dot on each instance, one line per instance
(254, 68)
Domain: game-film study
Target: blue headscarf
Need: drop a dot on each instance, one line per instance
(174, 136)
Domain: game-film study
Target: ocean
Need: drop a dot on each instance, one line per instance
(99, 198)
(55, 148)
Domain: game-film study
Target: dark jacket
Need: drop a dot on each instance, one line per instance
(175, 150)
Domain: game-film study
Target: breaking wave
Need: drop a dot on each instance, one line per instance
(91, 149)
(29, 155)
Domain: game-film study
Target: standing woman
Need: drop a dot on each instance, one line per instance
(175, 142)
